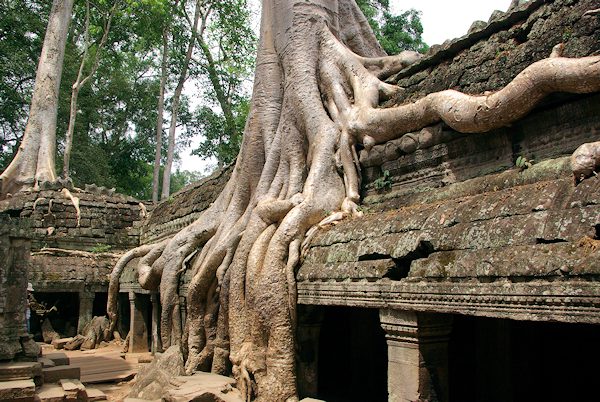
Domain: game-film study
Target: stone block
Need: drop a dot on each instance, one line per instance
(59, 358)
(61, 342)
(46, 362)
(20, 370)
(54, 374)
(17, 390)
(94, 394)
(51, 393)
(74, 390)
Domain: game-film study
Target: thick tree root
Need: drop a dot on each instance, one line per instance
(317, 95)
(585, 161)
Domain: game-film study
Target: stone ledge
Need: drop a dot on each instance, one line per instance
(563, 301)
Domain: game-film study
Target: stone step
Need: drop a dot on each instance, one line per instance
(54, 374)
(46, 362)
(74, 390)
(17, 390)
(59, 358)
(95, 394)
(51, 393)
(20, 370)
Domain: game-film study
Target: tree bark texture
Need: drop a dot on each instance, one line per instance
(161, 111)
(34, 161)
(317, 94)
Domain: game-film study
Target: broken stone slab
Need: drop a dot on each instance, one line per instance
(153, 378)
(203, 386)
(59, 358)
(94, 394)
(54, 374)
(17, 390)
(61, 342)
(46, 362)
(74, 390)
(75, 343)
(51, 393)
(20, 370)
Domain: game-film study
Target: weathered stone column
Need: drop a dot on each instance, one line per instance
(138, 332)
(14, 261)
(417, 355)
(86, 306)
(156, 344)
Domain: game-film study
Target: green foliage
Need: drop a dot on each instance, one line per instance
(101, 248)
(394, 32)
(217, 141)
(226, 64)
(383, 182)
(182, 178)
(523, 163)
(114, 137)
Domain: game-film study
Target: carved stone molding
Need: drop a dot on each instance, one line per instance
(564, 301)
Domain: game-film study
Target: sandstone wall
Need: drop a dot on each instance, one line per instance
(451, 224)
(183, 207)
(106, 222)
(14, 256)
(71, 253)
(486, 60)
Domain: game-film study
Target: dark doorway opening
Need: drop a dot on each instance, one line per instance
(496, 360)
(352, 356)
(63, 319)
(99, 308)
(123, 319)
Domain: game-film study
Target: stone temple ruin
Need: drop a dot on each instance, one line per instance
(473, 275)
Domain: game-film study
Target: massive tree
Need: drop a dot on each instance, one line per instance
(317, 95)
(34, 161)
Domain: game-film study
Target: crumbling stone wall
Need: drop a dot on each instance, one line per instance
(490, 56)
(183, 207)
(74, 250)
(451, 224)
(486, 60)
(14, 256)
(105, 222)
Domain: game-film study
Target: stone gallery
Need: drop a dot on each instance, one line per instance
(443, 244)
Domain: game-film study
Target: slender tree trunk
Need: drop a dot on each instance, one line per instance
(166, 185)
(161, 109)
(80, 81)
(34, 161)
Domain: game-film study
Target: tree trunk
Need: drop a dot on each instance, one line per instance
(80, 81)
(34, 161)
(166, 184)
(161, 111)
(317, 94)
